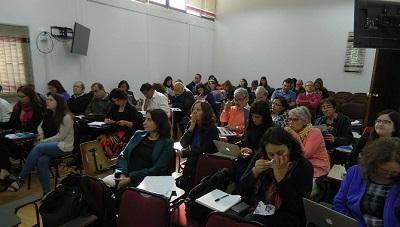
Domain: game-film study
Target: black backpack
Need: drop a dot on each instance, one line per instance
(101, 201)
(63, 204)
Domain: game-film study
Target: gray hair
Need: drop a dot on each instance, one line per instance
(261, 91)
(302, 113)
(241, 92)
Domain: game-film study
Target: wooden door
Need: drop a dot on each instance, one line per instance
(385, 84)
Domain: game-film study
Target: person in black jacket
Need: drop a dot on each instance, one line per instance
(25, 117)
(277, 178)
(197, 139)
(183, 100)
(79, 100)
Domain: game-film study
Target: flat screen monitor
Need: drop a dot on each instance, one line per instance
(377, 24)
(80, 40)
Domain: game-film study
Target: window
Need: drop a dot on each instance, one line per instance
(178, 4)
(15, 59)
(161, 2)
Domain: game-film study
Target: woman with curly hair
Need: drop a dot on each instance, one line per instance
(370, 192)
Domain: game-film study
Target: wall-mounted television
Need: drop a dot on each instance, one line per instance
(377, 24)
(80, 41)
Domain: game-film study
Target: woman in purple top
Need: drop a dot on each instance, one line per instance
(370, 192)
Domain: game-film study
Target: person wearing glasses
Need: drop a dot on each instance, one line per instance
(79, 99)
(311, 141)
(338, 125)
(370, 191)
(387, 124)
(25, 117)
(280, 111)
(236, 112)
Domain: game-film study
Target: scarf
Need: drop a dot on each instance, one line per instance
(24, 112)
(304, 132)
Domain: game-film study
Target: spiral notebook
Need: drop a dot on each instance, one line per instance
(219, 200)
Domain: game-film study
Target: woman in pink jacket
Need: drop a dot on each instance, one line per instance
(311, 140)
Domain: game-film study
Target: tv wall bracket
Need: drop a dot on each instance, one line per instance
(61, 32)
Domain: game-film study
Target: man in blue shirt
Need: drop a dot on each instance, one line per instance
(285, 91)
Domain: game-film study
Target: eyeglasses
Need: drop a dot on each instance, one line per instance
(293, 119)
(388, 173)
(385, 122)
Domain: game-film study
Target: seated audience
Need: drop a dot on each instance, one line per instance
(228, 91)
(168, 85)
(261, 94)
(236, 113)
(25, 117)
(280, 111)
(54, 86)
(197, 139)
(254, 85)
(56, 135)
(79, 99)
(370, 191)
(125, 119)
(160, 88)
(41, 98)
(338, 125)
(309, 99)
(299, 87)
(320, 89)
(148, 152)
(311, 141)
(258, 123)
(100, 103)
(5, 109)
(212, 87)
(285, 92)
(124, 86)
(196, 80)
(243, 84)
(154, 99)
(387, 124)
(264, 83)
(278, 177)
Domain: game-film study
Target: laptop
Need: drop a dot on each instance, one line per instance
(226, 150)
(323, 216)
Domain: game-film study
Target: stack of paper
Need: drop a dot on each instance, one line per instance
(25, 135)
(162, 185)
(219, 200)
(346, 149)
(337, 172)
(96, 123)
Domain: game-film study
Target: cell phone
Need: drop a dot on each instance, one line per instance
(240, 208)
(323, 128)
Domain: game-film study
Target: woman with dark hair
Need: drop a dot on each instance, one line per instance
(25, 117)
(212, 87)
(264, 83)
(387, 124)
(197, 139)
(280, 111)
(320, 89)
(148, 153)
(125, 120)
(258, 123)
(370, 191)
(56, 135)
(338, 125)
(202, 94)
(54, 86)
(124, 86)
(168, 85)
(277, 178)
(212, 77)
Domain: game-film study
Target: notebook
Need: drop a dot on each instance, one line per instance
(24, 135)
(226, 132)
(226, 150)
(346, 149)
(219, 200)
(162, 185)
(323, 216)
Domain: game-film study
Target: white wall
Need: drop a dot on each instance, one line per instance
(129, 40)
(287, 38)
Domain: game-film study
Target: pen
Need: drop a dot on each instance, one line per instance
(218, 199)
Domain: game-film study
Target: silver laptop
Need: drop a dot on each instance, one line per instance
(323, 216)
(226, 150)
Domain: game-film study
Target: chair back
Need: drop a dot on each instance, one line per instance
(343, 95)
(355, 111)
(142, 208)
(210, 164)
(218, 219)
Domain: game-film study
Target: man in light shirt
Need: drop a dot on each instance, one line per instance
(5, 109)
(154, 99)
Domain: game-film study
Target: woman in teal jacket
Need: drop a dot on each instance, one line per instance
(370, 192)
(148, 152)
